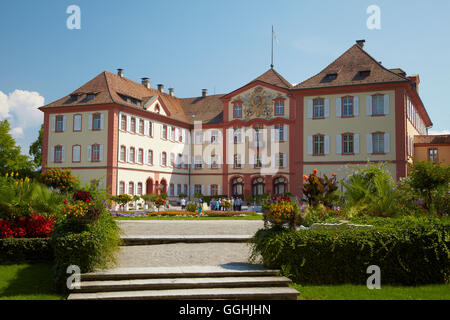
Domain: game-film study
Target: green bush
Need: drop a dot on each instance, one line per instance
(14, 250)
(191, 207)
(409, 251)
(90, 247)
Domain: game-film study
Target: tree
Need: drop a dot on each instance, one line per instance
(11, 160)
(36, 148)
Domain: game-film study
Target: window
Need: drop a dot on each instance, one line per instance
(198, 164)
(59, 124)
(172, 189)
(76, 153)
(258, 161)
(237, 161)
(433, 155)
(215, 137)
(347, 144)
(150, 157)
(280, 132)
(141, 156)
(258, 186)
(179, 161)
(121, 187)
(378, 142)
(318, 145)
(132, 155)
(123, 123)
(123, 152)
(96, 121)
(330, 77)
(198, 188)
(139, 188)
(141, 126)
(280, 160)
(347, 107)
(214, 190)
(258, 137)
(95, 153)
(237, 187)
(133, 125)
(185, 189)
(172, 160)
(214, 162)
(172, 134)
(164, 132)
(178, 189)
(77, 122)
(279, 108)
(58, 154)
(318, 108)
(279, 186)
(237, 111)
(164, 159)
(378, 105)
(131, 188)
(237, 136)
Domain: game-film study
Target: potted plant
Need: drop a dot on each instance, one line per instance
(280, 210)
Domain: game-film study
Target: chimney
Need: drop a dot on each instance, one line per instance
(204, 92)
(415, 81)
(171, 92)
(161, 88)
(360, 43)
(120, 72)
(146, 82)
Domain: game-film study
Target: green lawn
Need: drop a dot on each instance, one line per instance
(258, 217)
(27, 282)
(358, 292)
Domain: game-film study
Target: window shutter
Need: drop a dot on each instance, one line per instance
(89, 152)
(161, 159)
(310, 108)
(146, 131)
(53, 120)
(327, 144)
(327, 108)
(231, 161)
(145, 156)
(369, 143)
(209, 190)
(338, 107)
(387, 143)
(90, 122)
(310, 145)
(273, 161)
(356, 143)
(284, 160)
(338, 144)
(386, 104)
(162, 131)
(64, 123)
(52, 155)
(219, 191)
(128, 123)
(101, 152)
(356, 106)
(183, 136)
(203, 190)
(63, 154)
(102, 121)
(369, 105)
(219, 161)
(286, 133)
(272, 133)
(136, 152)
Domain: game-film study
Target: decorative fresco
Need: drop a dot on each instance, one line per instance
(258, 103)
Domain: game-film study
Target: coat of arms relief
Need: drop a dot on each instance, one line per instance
(258, 104)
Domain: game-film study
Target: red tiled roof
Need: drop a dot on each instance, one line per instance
(274, 78)
(207, 109)
(347, 68)
(442, 139)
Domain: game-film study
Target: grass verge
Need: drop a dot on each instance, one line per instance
(361, 292)
(27, 282)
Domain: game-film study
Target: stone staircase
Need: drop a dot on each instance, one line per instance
(238, 281)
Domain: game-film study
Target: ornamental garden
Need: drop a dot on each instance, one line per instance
(328, 237)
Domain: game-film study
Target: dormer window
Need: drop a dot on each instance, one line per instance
(331, 77)
(364, 73)
(90, 96)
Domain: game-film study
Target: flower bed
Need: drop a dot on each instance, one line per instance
(174, 213)
(35, 226)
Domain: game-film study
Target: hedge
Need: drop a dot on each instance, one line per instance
(13, 250)
(409, 251)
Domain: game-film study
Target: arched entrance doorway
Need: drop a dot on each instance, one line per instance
(237, 187)
(280, 185)
(258, 186)
(149, 186)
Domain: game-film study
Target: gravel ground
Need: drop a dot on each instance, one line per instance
(183, 254)
(189, 227)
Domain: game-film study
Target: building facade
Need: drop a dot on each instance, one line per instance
(260, 138)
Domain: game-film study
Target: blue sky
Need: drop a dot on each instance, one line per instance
(219, 45)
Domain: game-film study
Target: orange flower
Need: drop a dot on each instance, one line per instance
(315, 171)
(334, 175)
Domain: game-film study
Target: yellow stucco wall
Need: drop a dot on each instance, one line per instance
(421, 153)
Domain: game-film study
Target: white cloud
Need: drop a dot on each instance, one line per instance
(438, 133)
(20, 107)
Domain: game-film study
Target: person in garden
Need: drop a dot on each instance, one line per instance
(213, 204)
(233, 204)
(217, 206)
(183, 204)
(200, 207)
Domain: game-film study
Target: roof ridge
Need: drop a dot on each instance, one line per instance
(108, 86)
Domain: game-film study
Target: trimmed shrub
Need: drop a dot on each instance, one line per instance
(25, 250)
(409, 251)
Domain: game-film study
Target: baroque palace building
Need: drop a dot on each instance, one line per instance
(260, 138)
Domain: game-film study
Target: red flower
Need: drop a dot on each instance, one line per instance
(315, 171)
(65, 201)
(87, 200)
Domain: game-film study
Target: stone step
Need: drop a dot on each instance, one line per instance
(133, 240)
(230, 270)
(266, 293)
(181, 283)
